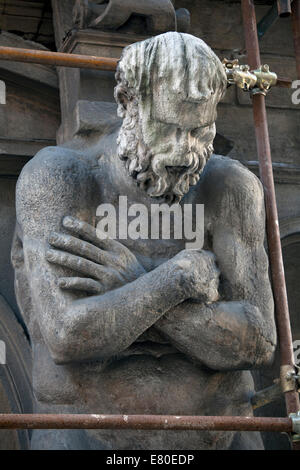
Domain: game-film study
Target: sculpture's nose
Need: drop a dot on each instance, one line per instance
(181, 135)
(183, 141)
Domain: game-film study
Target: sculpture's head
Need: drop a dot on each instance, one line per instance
(168, 88)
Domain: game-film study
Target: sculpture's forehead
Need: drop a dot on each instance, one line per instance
(184, 111)
(187, 116)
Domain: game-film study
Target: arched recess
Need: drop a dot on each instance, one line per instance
(15, 376)
(291, 259)
(290, 242)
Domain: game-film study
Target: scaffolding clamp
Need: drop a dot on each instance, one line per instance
(295, 417)
(254, 81)
(290, 378)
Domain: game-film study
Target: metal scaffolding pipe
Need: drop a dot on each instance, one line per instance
(273, 234)
(57, 58)
(144, 422)
(284, 8)
(296, 32)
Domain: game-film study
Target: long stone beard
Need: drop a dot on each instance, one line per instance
(157, 174)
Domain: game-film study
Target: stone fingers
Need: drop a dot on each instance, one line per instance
(80, 283)
(109, 277)
(91, 234)
(79, 247)
(76, 263)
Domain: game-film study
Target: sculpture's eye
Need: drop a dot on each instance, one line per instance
(168, 130)
(178, 133)
(197, 132)
(204, 133)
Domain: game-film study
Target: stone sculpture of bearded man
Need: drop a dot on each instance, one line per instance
(146, 326)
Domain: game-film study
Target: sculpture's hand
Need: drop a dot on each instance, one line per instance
(104, 263)
(201, 274)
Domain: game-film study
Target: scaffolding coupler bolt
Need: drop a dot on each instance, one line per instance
(255, 81)
(289, 378)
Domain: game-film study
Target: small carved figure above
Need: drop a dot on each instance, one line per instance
(157, 16)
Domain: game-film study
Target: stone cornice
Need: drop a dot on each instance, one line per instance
(95, 37)
(284, 173)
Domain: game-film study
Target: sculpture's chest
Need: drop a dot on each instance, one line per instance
(153, 235)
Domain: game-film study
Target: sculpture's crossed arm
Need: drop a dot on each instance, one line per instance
(236, 334)
(104, 325)
(222, 335)
(113, 320)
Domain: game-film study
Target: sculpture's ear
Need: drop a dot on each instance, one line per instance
(121, 97)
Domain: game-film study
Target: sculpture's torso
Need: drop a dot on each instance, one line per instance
(151, 377)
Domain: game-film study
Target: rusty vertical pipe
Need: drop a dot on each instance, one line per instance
(284, 8)
(296, 32)
(273, 234)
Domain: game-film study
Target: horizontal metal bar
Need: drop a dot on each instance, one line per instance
(57, 58)
(144, 422)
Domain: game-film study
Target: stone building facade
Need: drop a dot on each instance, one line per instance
(45, 105)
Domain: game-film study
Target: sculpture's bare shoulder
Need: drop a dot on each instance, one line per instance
(233, 196)
(55, 182)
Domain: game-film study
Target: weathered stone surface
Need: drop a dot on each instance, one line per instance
(15, 377)
(41, 118)
(150, 16)
(62, 19)
(33, 19)
(7, 217)
(99, 117)
(236, 122)
(43, 74)
(230, 96)
(30, 117)
(220, 25)
(159, 14)
(82, 82)
(115, 323)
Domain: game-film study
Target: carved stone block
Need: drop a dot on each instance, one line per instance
(159, 15)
